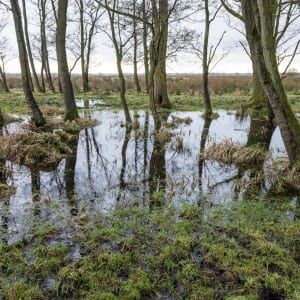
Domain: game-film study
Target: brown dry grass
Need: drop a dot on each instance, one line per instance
(240, 85)
(35, 149)
(72, 126)
(6, 190)
(228, 152)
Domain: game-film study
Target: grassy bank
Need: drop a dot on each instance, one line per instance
(51, 103)
(249, 250)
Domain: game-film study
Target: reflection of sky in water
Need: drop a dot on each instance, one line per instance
(99, 164)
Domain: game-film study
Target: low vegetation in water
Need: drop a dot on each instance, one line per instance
(50, 103)
(36, 149)
(5, 191)
(228, 152)
(249, 250)
(73, 127)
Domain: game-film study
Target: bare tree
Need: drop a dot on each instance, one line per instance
(71, 111)
(89, 16)
(258, 16)
(43, 11)
(135, 48)
(286, 42)
(120, 41)
(145, 43)
(3, 55)
(29, 51)
(207, 52)
(36, 113)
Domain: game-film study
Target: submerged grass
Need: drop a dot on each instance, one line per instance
(248, 251)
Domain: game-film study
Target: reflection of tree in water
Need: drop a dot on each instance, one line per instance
(145, 150)
(260, 134)
(36, 191)
(203, 140)
(122, 184)
(5, 202)
(157, 168)
(69, 176)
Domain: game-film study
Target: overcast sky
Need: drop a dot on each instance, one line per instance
(103, 57)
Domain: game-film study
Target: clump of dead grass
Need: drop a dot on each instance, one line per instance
(277, 178)
(178, 144)
(228, 152)
(72, 126)
(50, 110)
(176, 121)
(283, 179)
(6, 190)
(36, 149)
(163, 135)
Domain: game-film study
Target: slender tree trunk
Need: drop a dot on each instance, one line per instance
(71, 111)
(206, 96)
(135, 52)
(204, 136)
(123, 91)
(1, 123)
(145, 46)
(84, 78)
(44, 47)
(119, 56)
(87, 61)
(30, 56)
(43, 77)
(36, 113)
(3, 80)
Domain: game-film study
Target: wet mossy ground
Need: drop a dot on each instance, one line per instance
(249, 250)
(51, 103)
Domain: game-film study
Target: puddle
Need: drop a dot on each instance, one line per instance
(109, 168)
(90, 104)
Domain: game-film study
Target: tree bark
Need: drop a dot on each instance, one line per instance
(261, 35)
(36, 113)
(30, 56)
(44, 47)
(1, 123)
(123, 91)
(71, 112)
(3, 81)
(205, 64)
(145, 46)
(84, 77)
(119, 56)
(160, 76)
(159, 53)
(135, 52)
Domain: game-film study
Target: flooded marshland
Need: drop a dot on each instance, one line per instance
(111, 165)
(143, 214)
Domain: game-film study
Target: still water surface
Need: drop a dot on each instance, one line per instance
(109, 167)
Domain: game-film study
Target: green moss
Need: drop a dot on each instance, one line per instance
(51, 103)
(44, 231)
(22, 291)
(247, 251)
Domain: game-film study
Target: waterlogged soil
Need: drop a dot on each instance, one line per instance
(137, 214)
